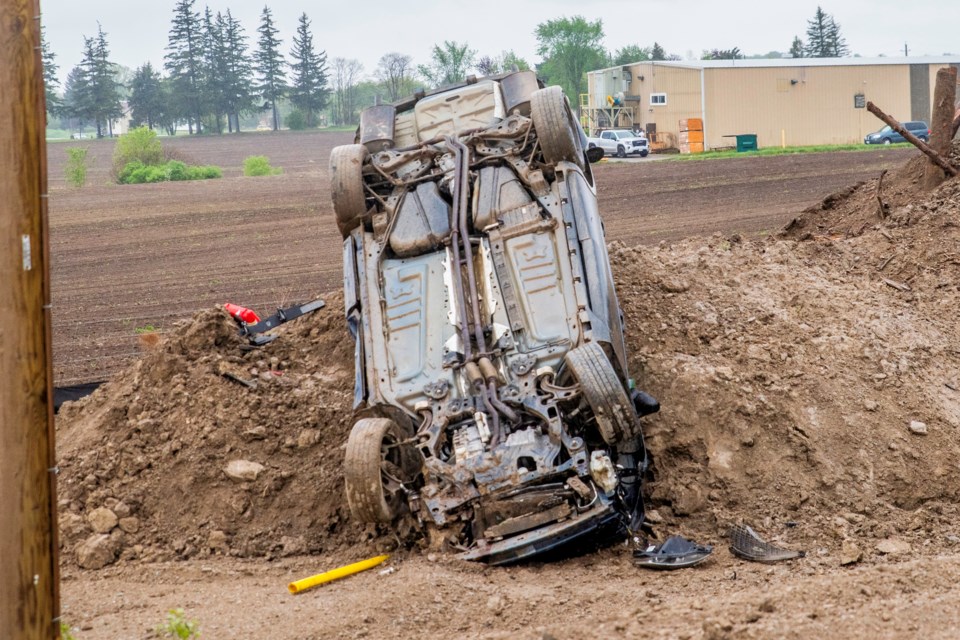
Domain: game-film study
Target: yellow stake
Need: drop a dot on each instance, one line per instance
(335, 574)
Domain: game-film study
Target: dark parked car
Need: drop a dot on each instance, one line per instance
(888, 136)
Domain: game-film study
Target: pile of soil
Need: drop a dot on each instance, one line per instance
(147, 459)
(809, 386)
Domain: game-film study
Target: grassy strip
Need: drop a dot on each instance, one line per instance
(778, 151)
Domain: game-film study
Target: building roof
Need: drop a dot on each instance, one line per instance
(794, 62)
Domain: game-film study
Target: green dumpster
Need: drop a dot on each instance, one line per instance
(747, 142)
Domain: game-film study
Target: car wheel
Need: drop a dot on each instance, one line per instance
(603, 392)
(621, 152)
(887, 141)
(644, 154)
(375, 467)
(346, 186)
(556, 127)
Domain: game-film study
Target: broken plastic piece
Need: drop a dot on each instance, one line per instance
(746, 544)
(676, 553)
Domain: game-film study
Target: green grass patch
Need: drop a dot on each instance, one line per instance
(178, 626)
(784, 151)
(76, 171)
(259, 166)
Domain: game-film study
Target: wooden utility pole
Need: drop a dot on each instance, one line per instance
(29, 576)
(941, 127)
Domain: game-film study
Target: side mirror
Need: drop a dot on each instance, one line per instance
(594, 154)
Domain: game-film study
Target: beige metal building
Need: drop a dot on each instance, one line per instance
(801, 101)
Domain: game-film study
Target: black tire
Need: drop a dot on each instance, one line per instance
(346, 186)
(591, 146)
(621, 152)
(644, 154)
(374, 467)
(887, 141)
(603, 391)
(556, 127)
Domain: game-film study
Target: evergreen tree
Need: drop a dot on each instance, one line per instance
(269, 63)
(77, 101)
(50, 80)
(308, 89)
(100, 100)
(147, 99)
(797, 48)
(239, 72)
(823, 37)
(657, 52)
(184, 60)
(214, 69)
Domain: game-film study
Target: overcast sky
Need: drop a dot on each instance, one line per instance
(366, 29)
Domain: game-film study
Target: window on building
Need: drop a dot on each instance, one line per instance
(658, 99)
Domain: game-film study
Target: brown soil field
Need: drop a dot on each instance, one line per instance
(126, 259)
(808, 373)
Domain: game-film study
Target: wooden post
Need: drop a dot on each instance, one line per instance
(941, 128)
(29, 576)
(912, 139)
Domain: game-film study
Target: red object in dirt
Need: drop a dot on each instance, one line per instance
(242, 313)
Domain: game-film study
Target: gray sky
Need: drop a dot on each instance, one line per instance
(366, 29)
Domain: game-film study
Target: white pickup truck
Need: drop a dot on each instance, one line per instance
(621, 142)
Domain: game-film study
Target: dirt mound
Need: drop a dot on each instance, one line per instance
(144, 459)
(809, 388)
(852, 210)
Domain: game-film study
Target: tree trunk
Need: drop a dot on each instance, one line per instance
(276, 117)
(941, 131)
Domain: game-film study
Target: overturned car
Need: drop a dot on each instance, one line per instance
(492, 394)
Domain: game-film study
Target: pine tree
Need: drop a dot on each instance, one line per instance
(214, 69)
(77, 101)
(184, 59)
(796, 48)
(269, 62)
(836, 43)
(657, 53)
(50, 80)
(106, 88)
(147, 100)
(823, 37)
(239, 72)
(308, 89)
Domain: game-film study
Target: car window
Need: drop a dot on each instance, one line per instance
(606, 135)
(624, 134)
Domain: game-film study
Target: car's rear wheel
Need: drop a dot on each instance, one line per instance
(887, 141)
(556, 127)
(621, 152)
(376, 466)
(346, 186)
(603, 392)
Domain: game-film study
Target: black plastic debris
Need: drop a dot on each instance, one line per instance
(675, 553)
(746, 544)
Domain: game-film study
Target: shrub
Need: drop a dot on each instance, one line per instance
(140, 144)
(138, 173)
(296, 121)
(178, 626)
(259, 166)
(76, 166)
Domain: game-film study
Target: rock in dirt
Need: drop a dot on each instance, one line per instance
(130, 525)
(102, 520)
(850, 553)
(870, 405)
(674, 285)
(217, 541)
(893, 546)
(97, 551)
(919, 428)
(243, 470)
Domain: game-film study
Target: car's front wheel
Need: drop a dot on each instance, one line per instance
(376, 465)
(644, 153)
(621, 152)
(604, 393)
(887, 141)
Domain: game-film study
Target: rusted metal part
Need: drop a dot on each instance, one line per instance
(377, 127)
(519, 524)
(912, 139)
